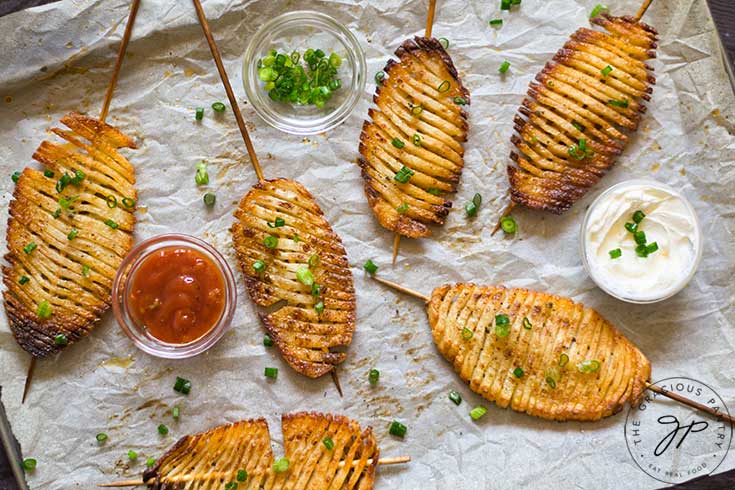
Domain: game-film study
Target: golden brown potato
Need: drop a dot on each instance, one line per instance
(573, 122)
(411, 150)
(290, 256)
(212, 459)
(536, 353)
(65, 242)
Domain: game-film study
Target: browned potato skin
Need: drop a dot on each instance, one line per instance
(212, 458)
(571, 88)
(422, 66)
(307, 340)
(558, 325)
(55, 266)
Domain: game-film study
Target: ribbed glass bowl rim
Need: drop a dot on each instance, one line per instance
(127, 270)
(583, 240)
(251, 82)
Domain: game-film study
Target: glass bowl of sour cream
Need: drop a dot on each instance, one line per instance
(641, 241)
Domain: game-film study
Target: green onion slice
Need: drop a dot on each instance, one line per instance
(615, 253)
(150, 462)
(599, 8)
(29, 464)
(470, 209)
(478, 412)
(434, 191)
(267, 340)
(242, 475)
(209, 199)
(270, 241)
(313, 261)
(319, 307)
(30, 248)
(281, 465)
(328, 443)
(304, 275)
(589, 366)
(48, 173)
(132, 455)
(455, 397)
(397, 429)
(112, 224)
(85, 270)
(518, 372)
(23, 280)
(111, 201)
(619, 103)
(467, 333)
(417, 109)
(444, 87)
(101, 437)
(182, 385)
(60, 339)
(460, 101)
(379, 77)
(402, 208)
(403, 175)
(373, 376)
(563, 359)
(162, 429)
(504, 67)
(417, 139)
(176, 412)
(218, 107)
(638, 216)
(72, 234)
(527, 323)
(444, 42)
(398, 143)
(606, 71)
(258, 266)
(370, 267)
(496, 22)
(277, 223)
(508, 224)
(44, 312)
(199, 113)
(271, 372)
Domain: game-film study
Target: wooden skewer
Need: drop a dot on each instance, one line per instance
(642, 9)
(506, 212)
(335, 380)
(402, 289)
(136, 483)
(691, 403)
(396, 244)
(103, 115)
(120, 58)
(228, 89)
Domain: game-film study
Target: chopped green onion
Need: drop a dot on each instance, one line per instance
(373, 376)
(370, 267)
(132, 455)
(150, 462)
(242, 476)
(270, 241)
(631, 227)
(398, 143)
(638, 216)
(455, 397)
(72, 234)
(434, 191)
(417, 139)
(281, 465)
(271, 372)
(504, 67)
(79, 176)
(640, 237)
(267, 340)
(527, 323)
(328, 443)
(218, 107)
(515, 2)
(502, 325)
(402, 208)
(48, 173)
(63, 182)
(176, 412)
(496, 22)
(417, 109)
(209, 199)
(85, 270)
(599, 8)
(258, 266)
(444, 42)
(619, 103)
(23, 280)
(65, 202)
(60, 339)
(518, 372)
(471, 207)
(504, 4)
(182, 385)
(162, 429)
(508, 224)
(589, 366)
(128, 202)
(313, 261)
(552, 376)
(551, 382)
(478, 412)
(641, 251)
(379, 77)
(578, 126)
(403, 175)
(44, 311)
(460, 101)
(199, 114)
(56, 213)
(296, 238)
(112, 224)
(466, 333)
(444, 87)
(277, 223)
(305, 276)
(316, 290)
(101, 437)
(606, 71)
(651, 247)
(615, 253)
(202, 176)
(111, 201)
(563, 360)
(30, 248)
(29, 464)
(319, 307)
(397, 429)
(232, 485)
(15, 177)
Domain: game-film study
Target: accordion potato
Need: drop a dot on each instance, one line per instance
(536, 353)
(241, 453)
(411, 152)
(291, 258)
(575, 119)
(65, 238)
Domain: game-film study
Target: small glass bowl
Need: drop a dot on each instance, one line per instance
(617, 294)
(138, 333)
(298, 31)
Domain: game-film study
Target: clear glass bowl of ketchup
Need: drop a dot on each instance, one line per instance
(174, 296)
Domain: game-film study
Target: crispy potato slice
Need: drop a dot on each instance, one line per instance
(279, 225)
(542, 330)
(209, 460)
(574, 104)
(418, 125)
(76, 253)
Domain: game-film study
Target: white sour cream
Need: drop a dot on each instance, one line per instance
(670, 221)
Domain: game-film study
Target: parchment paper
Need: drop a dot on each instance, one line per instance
(58, 58)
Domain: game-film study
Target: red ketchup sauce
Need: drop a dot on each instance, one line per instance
(178, 294)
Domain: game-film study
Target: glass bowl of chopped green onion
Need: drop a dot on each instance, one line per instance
(304, 72)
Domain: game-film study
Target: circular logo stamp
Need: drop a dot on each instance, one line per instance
(672, 442)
